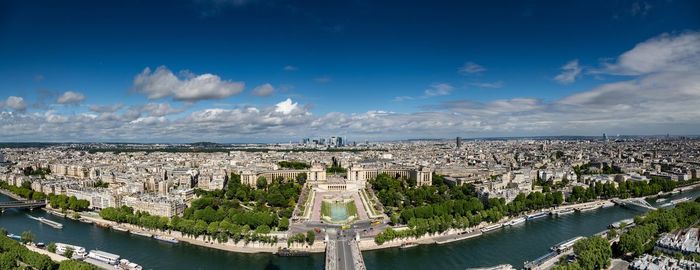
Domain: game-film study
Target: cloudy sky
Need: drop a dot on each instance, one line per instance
(275, 71)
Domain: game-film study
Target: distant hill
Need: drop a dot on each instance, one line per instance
(206, 144)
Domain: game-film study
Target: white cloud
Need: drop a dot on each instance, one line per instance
(163, 83)
(290, 68)
(663, 100)
(471, 68)
(438, 89)
(160, 109)
(569, 72)
(14, 103)
(666, 52)
(71, 97)
(286, 107)
(264, 90)
(52, 117)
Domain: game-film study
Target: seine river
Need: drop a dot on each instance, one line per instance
(524, 242)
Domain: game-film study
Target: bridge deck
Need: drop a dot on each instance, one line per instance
(635, 202)
(344, 254)
(22, 204)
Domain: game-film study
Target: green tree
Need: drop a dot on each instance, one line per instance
(284, 224)
(638, 239)
(261, 183)
(51, 247)
(27, 236)
(310, 237)
(8, 260)
(593, 253)
(68, 253)
(301, 178)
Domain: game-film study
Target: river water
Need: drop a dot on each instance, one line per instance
(523, 242)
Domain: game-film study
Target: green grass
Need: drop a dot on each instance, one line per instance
(371, 203)
(325, 209)
(352, 209)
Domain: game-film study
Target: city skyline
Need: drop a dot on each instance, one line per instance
(275, 71)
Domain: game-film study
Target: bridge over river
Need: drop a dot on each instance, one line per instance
(343, 253)
(634, 202)
(19, 202)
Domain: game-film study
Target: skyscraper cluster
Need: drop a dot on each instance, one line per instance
(332, 141)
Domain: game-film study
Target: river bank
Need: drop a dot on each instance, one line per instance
(54, 257)
(366, 244)
(11, 195)
(453, 235)
(512, 245)
(230, 245)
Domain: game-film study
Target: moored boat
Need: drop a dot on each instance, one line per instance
(408, 245)
(459, 237)
(607, 204)
(516, 221)
(121, 229)
(537, 215)
(166, 239)
(564, 212)
(104, 257)
(492, 227)
(566, 244)
(127, 265)
(144, 234)
(56, 213)
(78, 251)
(84, 220)
(586, 209)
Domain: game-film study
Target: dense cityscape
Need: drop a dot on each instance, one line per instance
(349, 135)
(319, 197)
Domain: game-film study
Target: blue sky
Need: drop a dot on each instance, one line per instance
(361, 69)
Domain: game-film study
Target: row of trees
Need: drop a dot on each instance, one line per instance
(436, 208)
(24, 191)
(14, 255)
(65, 202)
(595, 252)
(624, 189)
(56, 201)
(641, 238)
(238, 212)
(296, 165)
(587, 169)
(307, 238)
